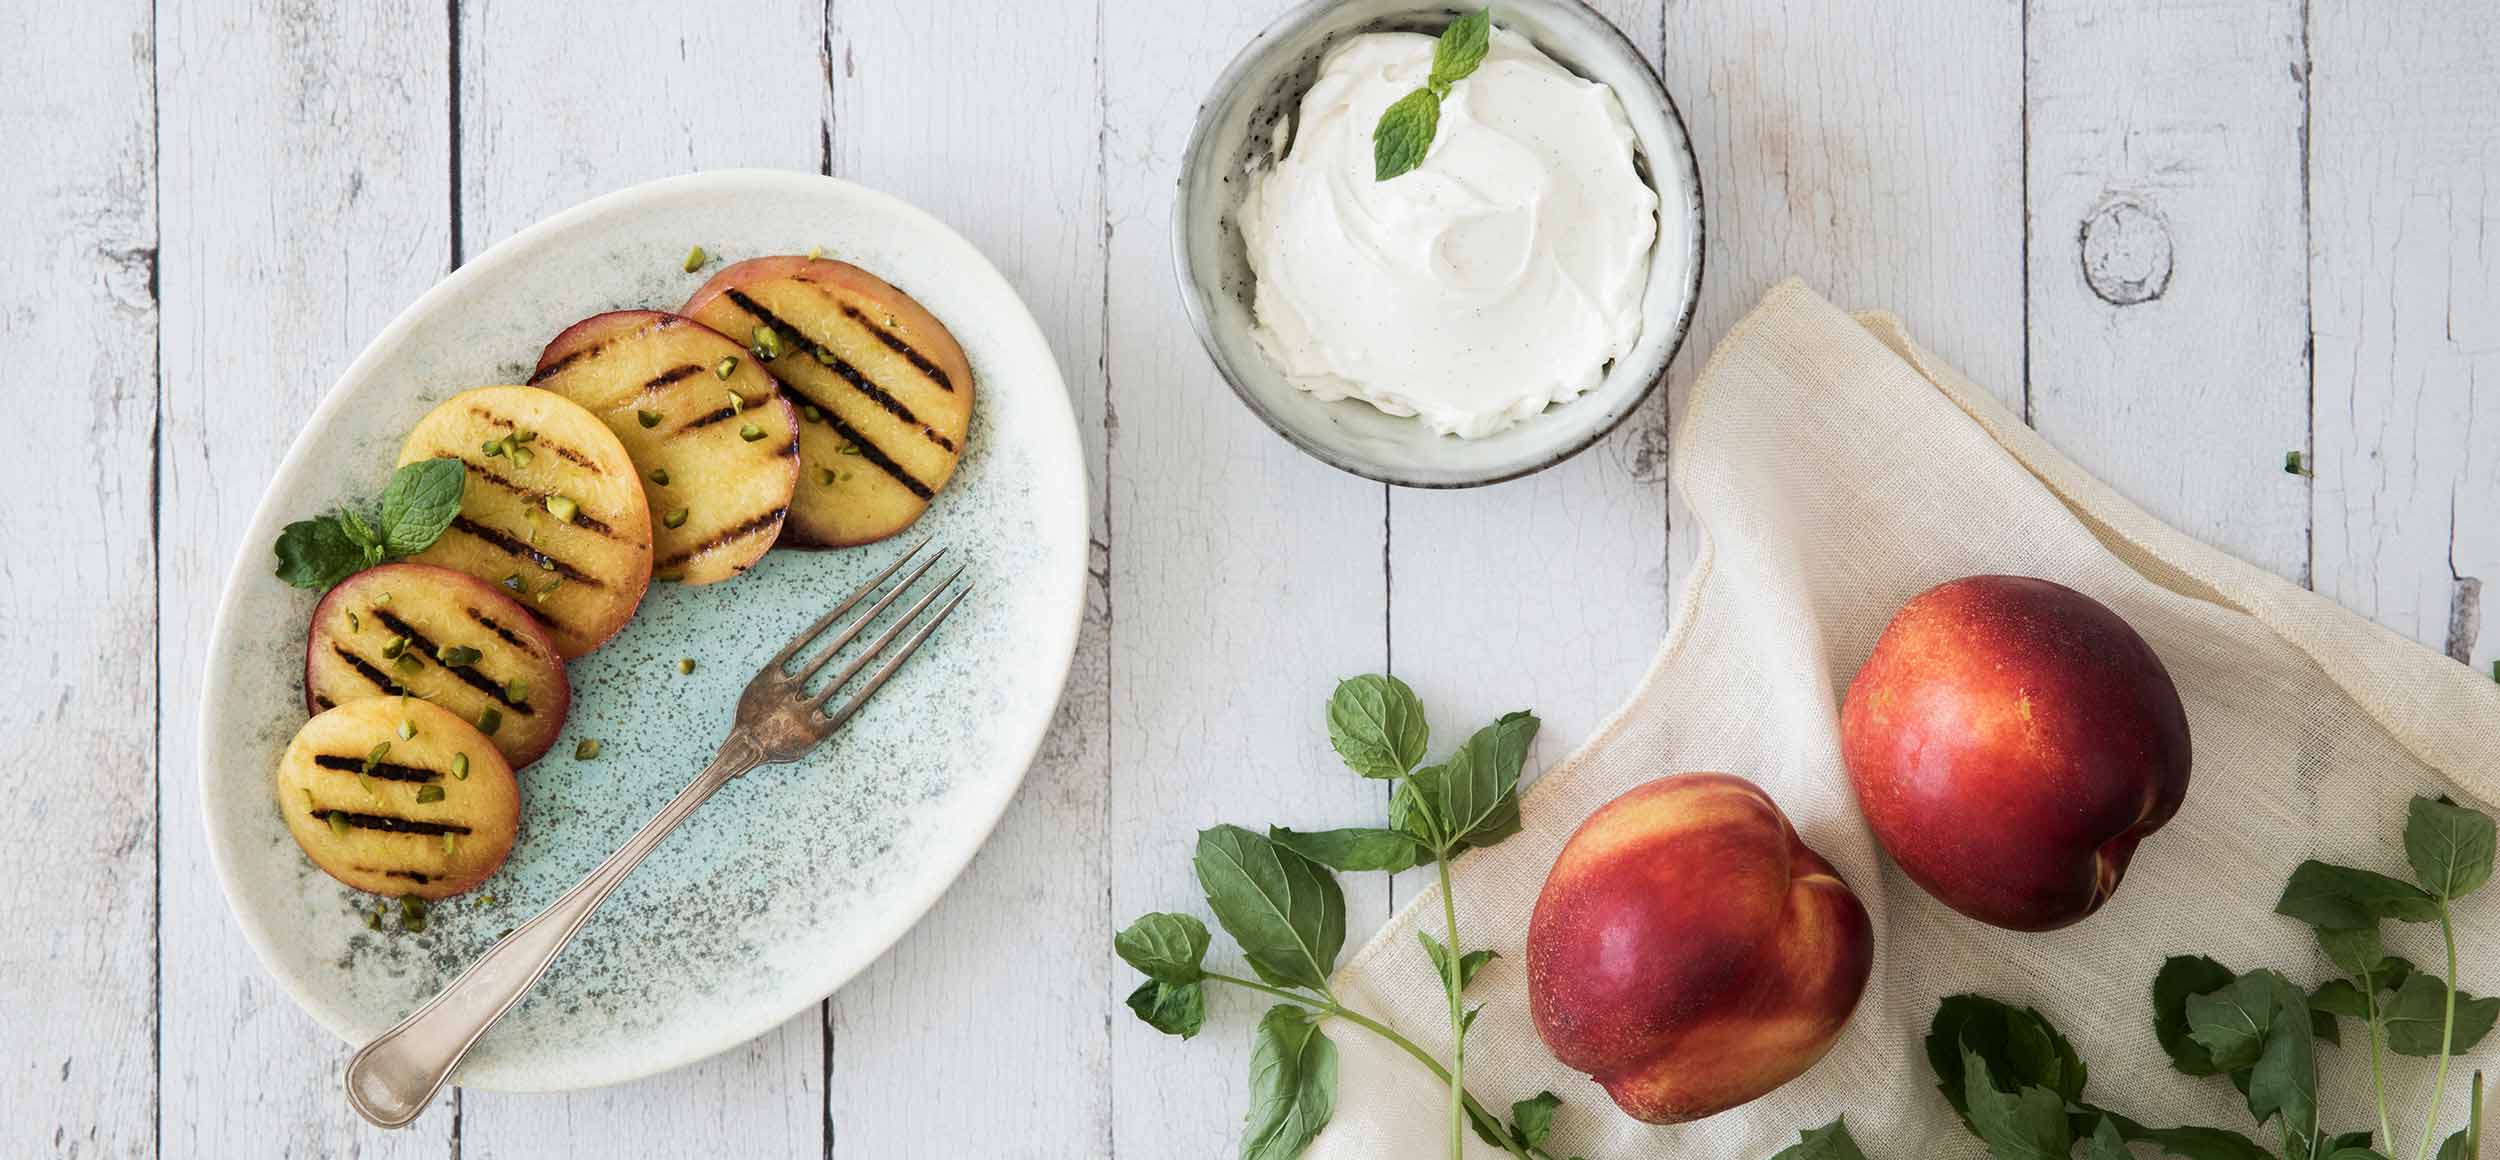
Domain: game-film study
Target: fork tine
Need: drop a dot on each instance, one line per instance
(877, 679)
(800, 641)
(860, 623)
(901, 624)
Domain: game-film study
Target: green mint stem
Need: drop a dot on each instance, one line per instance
(2447, 1034)
(2378, 1076)
(1458, 1022)
(1330, 1006)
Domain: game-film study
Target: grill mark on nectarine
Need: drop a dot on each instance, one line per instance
(416, 876)
(876, 455)
(394, 825)
(524, 553)
(555, 368)
(881, 397)
(323, 704)
(670, 375)
(509, 637)
(581, 519)
(386, 770)
(465, 674)
(368, 670)
(738, 531)
(717, 415)
(895, 343)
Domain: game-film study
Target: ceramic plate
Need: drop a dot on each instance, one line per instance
(794, 877)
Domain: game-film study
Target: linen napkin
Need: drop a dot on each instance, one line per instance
(1836, 470)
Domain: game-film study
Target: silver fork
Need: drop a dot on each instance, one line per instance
(393, 1078)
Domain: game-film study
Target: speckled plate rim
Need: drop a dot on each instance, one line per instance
(1201, 316)
(956, 844)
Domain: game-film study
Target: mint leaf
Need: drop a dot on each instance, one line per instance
(1468, 964)
(2106, 1143)
(1829, 1142)
(2339, 997)
(2342, 898)
(2029, 1124)
(1404, 134)
(2459, 1146)
(1283, 908)
(2284, 1080)
(2232, 1023)
(419, 503)
(1168, 948)
(1471, 798)
(316, 553)
(2418, 1014)
(1171, 1008)
(2019, 1045)
(2449, 846)
(1354, 849)
(1532, 1119)
(1377, 725)
(2202, 1143)
(2356, 951)
(1293, 1085)
(1461, 48)
(2181, 977)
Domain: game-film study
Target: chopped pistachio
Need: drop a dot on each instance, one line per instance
(684, 665)
(460, 767)
(737, 403)
(586, 750)
(366, 784)
(412, 913)
(393, 647)
(815, 253)
(374, 756)
(382, 600)
(695, 259)
(458, 656)
(521, 457)
(2292, 464)
(486, 900)
(407, 729)
(489, 719)
(492, 448)
(659, 475)
(338, 822)
(450, 839)
(750, 432)
(824, 356)
(546, 564)
(812, 413)
(848, 449)
(524, 435)
(310, 806)
(562, 507)
(513, 581)
(648, 419)
(846, 477)
(354, 623)
(767, 345)
(408, 663)
(429, 793)
(517, 690)
(373, 920)
(824, 476)
(727, 366)
(675, 519)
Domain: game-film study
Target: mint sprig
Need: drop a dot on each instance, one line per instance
(417, 505)
(1404, 134)
(1276, 895)
(2019, 1085)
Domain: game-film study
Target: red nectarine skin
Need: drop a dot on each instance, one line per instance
(2011, 741)
(1689, 952)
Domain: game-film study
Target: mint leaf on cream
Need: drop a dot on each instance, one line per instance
(1404, 135)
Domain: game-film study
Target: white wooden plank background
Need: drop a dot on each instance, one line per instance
(216, 205)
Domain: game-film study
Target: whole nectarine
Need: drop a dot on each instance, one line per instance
(1689, 952)
(2011, 741)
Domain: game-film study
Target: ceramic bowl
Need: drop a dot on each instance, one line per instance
(1235, 138)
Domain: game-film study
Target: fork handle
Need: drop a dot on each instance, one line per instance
(392, 1079)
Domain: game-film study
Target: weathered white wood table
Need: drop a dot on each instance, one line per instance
(2183, 239)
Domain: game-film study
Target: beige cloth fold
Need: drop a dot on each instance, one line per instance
(1836, 469)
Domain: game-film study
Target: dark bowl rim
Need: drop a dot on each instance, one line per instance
(1195, 305)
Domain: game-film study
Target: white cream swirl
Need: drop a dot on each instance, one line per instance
(1498, 277)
